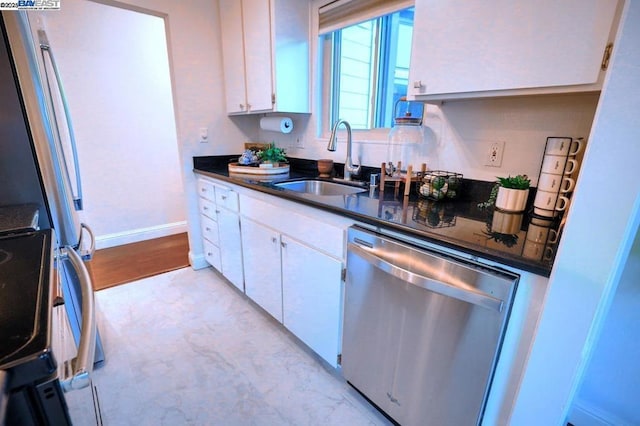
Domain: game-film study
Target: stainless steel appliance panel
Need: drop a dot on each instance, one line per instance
(422, 330)
(39, 101)
(47, 150)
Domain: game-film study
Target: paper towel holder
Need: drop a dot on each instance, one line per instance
(277, 124)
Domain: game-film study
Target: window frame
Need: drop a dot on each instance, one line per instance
(326, 60)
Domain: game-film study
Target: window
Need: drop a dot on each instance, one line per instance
(367, 69)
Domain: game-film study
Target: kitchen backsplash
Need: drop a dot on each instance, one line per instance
(458, 134)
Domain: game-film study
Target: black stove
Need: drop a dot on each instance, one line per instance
(32, 393)
(25, 301)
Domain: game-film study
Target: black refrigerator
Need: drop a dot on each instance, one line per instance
(38, 158)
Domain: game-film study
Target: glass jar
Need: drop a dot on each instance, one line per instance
(405, 138)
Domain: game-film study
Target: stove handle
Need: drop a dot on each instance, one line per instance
(83, 364)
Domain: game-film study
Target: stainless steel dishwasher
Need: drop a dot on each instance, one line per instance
(422, 329)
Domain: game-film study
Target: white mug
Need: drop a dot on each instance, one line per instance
(563, 146)
(555, 183)
(550, 201)
(547, 222)
(555, 164)
(536, 251)
(542, 234)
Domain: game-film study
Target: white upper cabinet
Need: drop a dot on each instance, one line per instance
(265, 53)
(468, 49)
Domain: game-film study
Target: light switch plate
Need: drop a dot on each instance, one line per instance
(204, 135)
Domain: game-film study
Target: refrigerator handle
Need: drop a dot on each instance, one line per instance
(46, 47)
(83, 364)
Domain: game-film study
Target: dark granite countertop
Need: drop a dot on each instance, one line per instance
(458, 224)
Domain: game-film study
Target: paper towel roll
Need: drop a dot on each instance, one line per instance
(277, 124)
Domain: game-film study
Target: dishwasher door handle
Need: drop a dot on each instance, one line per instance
(431, 284)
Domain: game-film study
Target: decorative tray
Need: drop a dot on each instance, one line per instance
(254, 170)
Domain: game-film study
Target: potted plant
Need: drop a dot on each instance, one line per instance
(512, 193)
(271, 156)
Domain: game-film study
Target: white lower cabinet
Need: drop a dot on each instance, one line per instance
(220, 227)
(230, 247)
(312, 297)
(298, 285)
(262, 266)
(288, 258)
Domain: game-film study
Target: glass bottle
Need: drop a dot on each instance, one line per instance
(405, 138)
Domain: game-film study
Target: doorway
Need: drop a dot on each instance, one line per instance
(114, 64)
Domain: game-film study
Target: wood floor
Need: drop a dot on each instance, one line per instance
(122, 264)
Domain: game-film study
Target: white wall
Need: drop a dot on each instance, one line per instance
(609, 389)
(458, 134)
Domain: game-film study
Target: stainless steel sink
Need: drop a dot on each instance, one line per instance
(319, 187)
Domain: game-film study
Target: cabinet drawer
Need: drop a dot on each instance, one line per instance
(226, 198)
(207, 208)
(209, 229)
(212, 254)
(309, 230)
(206, 190)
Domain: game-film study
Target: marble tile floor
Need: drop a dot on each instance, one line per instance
(185, 348)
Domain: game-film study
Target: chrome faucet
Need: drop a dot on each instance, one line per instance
(349, 168)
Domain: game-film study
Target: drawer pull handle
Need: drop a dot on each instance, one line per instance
(205, 208)
(283, 244)
(274, 239)
(224, 197)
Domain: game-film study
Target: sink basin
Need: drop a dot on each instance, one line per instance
(319, 187)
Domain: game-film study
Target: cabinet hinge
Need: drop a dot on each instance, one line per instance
(273, 99)
(343, 275)
(606, 56)
(339, 359)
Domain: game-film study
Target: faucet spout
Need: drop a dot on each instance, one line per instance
(349, 168)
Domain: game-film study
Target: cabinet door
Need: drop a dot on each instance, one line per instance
(262, 270)
(312, 297)
(256, 16)
(230, 247)
(482, 46)
(233, 55)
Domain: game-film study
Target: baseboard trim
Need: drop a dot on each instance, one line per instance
(141, 234)
(198, 261)
(584, 414)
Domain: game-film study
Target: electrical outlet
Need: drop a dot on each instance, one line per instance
(494, 154)
(299, 142)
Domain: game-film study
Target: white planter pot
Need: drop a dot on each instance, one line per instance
(512, 200)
